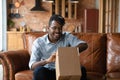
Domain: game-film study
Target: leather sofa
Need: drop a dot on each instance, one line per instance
(101, 59)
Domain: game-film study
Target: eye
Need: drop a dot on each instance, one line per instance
(56, 28)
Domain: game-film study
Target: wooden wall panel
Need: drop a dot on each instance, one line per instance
(14, 40)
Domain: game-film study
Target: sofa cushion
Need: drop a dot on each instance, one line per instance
(113, 54)
(113, 75)
(95, 76)
(24, 75)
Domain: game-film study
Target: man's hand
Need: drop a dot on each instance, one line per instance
(44, 62)
(51, 58)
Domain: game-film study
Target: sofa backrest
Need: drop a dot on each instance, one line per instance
(113, 55)
(94, 58)
(29, 37)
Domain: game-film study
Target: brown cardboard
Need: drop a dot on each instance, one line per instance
(67, 64)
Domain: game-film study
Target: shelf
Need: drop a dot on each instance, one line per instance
(65, 8)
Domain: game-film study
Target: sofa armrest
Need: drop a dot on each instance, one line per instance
(14, 61)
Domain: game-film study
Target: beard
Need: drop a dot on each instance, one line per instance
(55, 37)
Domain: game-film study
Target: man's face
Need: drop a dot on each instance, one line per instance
(55, 31)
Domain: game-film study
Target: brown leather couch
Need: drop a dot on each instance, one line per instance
(101, 59)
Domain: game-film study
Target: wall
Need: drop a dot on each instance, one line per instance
(36, 20)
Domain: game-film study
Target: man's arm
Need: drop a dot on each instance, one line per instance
(82, 46)
(39, 63)
(43, 62)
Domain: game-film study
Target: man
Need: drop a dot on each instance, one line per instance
(42, 59)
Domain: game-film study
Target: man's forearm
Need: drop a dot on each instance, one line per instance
(40, 63)
(82, 47)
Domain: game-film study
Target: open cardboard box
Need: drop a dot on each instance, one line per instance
(67, 64)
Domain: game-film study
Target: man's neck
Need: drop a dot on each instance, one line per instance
(52, 40)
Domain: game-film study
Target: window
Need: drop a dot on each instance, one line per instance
(3, 25)
(0, 25)
(108, 16)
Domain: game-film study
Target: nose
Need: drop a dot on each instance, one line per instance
(58, 30)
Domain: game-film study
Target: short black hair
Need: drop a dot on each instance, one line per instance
(57, 18)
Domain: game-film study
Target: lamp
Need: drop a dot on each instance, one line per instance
(74, 1)
(48, 1)
(38, 6)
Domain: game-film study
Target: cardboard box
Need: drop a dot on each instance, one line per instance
(67, 64)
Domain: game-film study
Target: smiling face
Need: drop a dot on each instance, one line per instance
(54, 31)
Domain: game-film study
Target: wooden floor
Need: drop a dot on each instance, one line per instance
(1, 72)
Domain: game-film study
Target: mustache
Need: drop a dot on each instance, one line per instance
(58, 33)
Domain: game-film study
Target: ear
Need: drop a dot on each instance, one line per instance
(48, 28)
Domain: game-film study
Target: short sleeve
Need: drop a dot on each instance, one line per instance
(73, 40)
